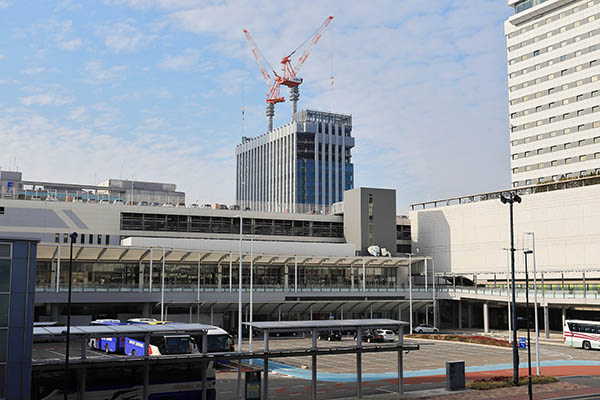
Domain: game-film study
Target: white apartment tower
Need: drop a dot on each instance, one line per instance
(554, 82)
(304, 166)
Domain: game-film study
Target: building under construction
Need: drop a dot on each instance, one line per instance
(304, 166)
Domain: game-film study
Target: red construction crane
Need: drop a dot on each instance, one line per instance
(273, 84)
(289, 72)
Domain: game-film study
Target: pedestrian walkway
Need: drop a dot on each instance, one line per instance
(559, 390)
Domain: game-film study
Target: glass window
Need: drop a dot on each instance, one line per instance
(3, 335)
(4, 275)
(4, 301)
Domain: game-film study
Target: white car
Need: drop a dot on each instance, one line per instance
(426, 329)
(388, 335)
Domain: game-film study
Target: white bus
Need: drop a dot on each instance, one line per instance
(582, 334)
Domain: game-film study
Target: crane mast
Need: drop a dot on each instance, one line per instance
(289, 78)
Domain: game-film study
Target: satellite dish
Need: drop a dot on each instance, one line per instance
(374, 250)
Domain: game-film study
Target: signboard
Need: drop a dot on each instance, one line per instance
(522, 343)
(253, 385)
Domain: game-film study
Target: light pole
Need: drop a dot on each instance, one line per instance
(66, 383)
(433, 294)
(535, 309)
(251, 290)
(410, 312)
(508, 289)
(162, 288)
(513, 197)
(240, 394)
(529, 389)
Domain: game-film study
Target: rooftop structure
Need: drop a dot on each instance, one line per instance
(554, 102)
(304, 166)
(12, 186)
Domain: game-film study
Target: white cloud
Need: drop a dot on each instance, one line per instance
(70, 45)
(153, 157)
(34, 70)
(5, 4)
(46, 99)
(187, 61)
(2, 56)
(96, 73)
(124, 38)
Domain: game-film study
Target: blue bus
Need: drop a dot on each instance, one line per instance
(108, 344)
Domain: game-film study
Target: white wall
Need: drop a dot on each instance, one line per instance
(470, 237)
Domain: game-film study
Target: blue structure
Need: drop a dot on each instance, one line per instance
(17, 279)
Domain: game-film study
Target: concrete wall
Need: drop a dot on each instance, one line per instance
(470, 237)
(356, 218)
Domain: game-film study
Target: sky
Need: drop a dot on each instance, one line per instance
(154, 90)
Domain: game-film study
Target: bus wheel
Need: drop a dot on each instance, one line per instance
(133, 353)
(587, 345)
(106, 348)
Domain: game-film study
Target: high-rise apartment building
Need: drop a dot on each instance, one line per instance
(303, 166)
(554, 85)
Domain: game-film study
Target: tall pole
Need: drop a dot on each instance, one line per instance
(68, 339)
(434, 304)
(240, 394)
(410, 312)
(535, 310)
(251, 289)
(514, 297)
(510, 200)
(162, 288)
(529, 388)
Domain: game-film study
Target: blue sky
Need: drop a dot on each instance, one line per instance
(153, 89)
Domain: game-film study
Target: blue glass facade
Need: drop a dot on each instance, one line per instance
(305, 182)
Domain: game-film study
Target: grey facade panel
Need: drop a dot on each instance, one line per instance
(75, 219)
(31, 217)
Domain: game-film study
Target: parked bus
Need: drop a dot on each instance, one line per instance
(582, 334)
(159, 345)
(108, 344)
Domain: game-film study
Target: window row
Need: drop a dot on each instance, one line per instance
(552, 76)
(553, 18)
(135, 275)
(557, 163)
(557, 45)
(560, 132)
(557, 147)
(554, 104)
(83, 238)
(229, 225)
(549, 34)
(557, 60)
(556, 118)
(557, 178)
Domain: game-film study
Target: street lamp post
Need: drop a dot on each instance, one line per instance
(251, 289)
(240, 394)
(410, 311)
(535, 309)
(511, 199)
(433, 294)
(66, 382)
(529, 388)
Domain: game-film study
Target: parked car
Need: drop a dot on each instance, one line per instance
(331, 336)
(388, 335)
(371, 336)
(426, 329)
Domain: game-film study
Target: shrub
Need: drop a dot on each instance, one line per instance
(465, 339)
(505, 381)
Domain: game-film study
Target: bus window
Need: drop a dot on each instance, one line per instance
(574, 327)
(176, 345)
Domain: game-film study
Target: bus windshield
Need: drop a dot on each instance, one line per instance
(177, 345)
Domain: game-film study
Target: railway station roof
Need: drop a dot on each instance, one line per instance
(324, 325)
